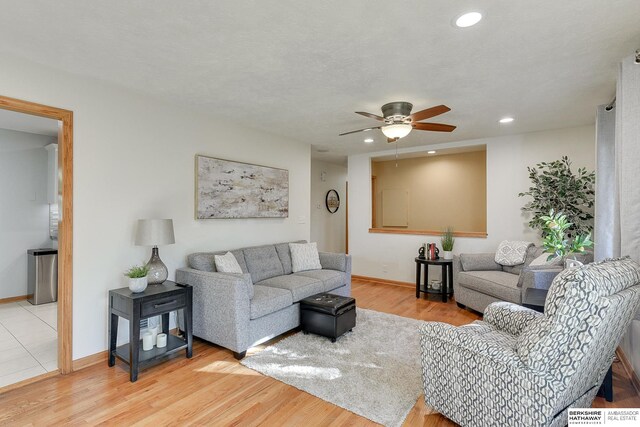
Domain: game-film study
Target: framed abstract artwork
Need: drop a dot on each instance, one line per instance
(228, 189)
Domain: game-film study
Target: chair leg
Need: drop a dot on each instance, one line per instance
(240, 356)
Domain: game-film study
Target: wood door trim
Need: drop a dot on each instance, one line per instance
(477, 234)
(65, 226)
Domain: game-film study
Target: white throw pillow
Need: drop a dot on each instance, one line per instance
(304, 256)
(512, 252)
(227, 263)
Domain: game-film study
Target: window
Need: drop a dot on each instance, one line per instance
(426, 193)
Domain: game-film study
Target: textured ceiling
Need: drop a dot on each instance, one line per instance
(300, 68)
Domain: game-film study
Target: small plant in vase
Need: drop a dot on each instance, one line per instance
(555, 226)
(137, 278)
(447, 242)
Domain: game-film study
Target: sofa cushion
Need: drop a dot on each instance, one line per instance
(267, 300)
(331, 279)
(299, 286)
(205, 261)
(512, 252)
(498, 284)
(304, 256)
(227, 263)
(479, 262)
(263, 262)
(532, 253)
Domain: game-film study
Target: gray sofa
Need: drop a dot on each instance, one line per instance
(238, 311)
(478, 280)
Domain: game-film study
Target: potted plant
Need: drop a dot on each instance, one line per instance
(554, 240)
(554, 185)
(137, 278)
(447, 241)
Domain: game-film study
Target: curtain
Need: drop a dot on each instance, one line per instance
(607, 227)
(617, 223)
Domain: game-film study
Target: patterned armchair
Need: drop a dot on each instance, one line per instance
(520, 367)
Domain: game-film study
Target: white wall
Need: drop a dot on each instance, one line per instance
(326, 228)
(134, 158)
(390, 256)
(24, 211)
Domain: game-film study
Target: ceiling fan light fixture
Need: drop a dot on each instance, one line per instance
(398, 130)
(468, 19)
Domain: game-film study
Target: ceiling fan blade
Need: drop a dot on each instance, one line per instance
(391, 140)
(360, 130)
(429, 112)
(371, 116)
(435, 127)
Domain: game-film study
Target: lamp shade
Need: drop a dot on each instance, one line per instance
(399, 130)
(155, 232)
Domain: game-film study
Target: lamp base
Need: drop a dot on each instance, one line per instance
(158, 272)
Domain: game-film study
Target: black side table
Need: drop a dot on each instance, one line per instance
(156, 300)
(446, 289)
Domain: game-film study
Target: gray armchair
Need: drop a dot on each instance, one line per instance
(479, 281)
(521, 367)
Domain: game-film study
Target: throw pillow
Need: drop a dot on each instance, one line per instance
(512, 252)
(304, 256)
(227, 263)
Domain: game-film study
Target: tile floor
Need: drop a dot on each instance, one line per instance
(28, 340)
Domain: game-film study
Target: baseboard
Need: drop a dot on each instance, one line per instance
(384, 281)
(629, 369)
(28, 381)
(14, 299)
(94, 359)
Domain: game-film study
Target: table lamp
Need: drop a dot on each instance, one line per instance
(154, 232)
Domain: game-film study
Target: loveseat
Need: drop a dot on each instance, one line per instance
(478, 280)
(238, 311)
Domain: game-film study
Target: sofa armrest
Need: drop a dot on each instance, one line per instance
(335, 261)
(221, 306)
(479, 262)
(509, 317)
(470, 342)
(538, 277)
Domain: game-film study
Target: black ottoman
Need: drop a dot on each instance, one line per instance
(327, 315)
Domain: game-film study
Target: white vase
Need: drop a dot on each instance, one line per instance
(447, 254)
(138, 284)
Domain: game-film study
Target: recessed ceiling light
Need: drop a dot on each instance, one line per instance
(368, 140)
(468, 19)
(431, 152)
(506, 120)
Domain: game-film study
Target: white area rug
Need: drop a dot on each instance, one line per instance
(373, 371)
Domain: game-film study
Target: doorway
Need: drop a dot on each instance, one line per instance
(64, 220)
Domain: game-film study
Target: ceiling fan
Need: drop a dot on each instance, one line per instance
(398, 120)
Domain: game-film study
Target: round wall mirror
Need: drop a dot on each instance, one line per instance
(332, 201)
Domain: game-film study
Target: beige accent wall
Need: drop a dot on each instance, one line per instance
(444, 190)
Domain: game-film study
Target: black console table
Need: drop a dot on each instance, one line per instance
(156, 300)
(446, 289)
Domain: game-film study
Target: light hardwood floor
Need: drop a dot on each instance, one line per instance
(214, 389)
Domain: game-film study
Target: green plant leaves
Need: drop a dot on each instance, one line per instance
(556, 187)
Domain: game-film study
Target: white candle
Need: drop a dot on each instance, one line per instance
(147, 341)
(154, 333)
(162, 340)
